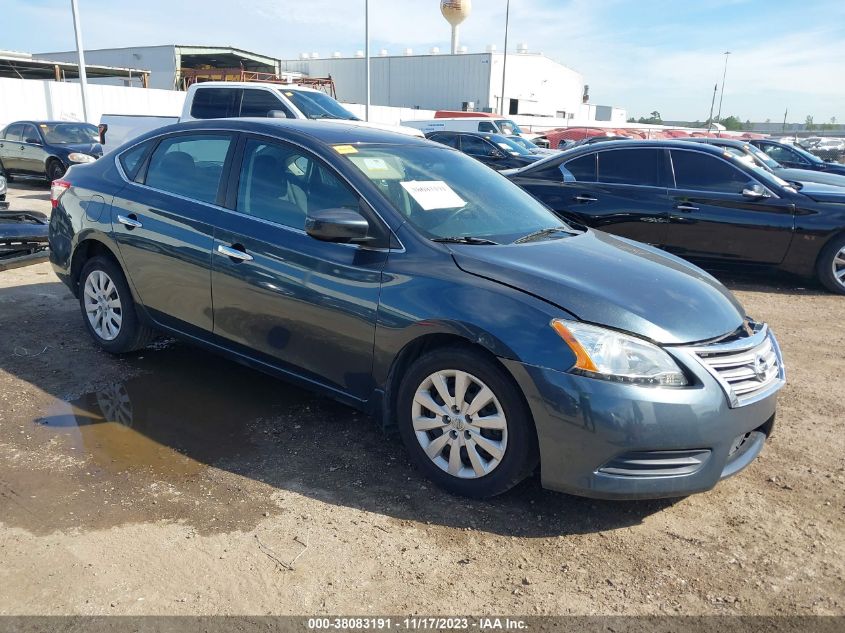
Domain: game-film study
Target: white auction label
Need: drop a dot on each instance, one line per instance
(433, 194)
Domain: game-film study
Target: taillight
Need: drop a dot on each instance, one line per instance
(57, 189)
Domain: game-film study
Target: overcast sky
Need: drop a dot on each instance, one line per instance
(663, 55)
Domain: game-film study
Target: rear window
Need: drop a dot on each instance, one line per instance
(581, 169)
(215, 103)
(630, 167)
(260, 103)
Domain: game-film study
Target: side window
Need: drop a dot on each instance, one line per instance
(475, 146)
(131, 159)
(487, 126)
(259, 103)
(13, 132)
(447, 139)
(189, 166)
(782, 154)
(694, 170)
(581, 169)
(29, 133)
(630, 167)
(281, 184)
(215, 103)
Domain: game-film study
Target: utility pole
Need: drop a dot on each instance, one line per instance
(367, 57)
(712, 103)
(83, 77)
(724, 74)
(785, 113)
(505, 59)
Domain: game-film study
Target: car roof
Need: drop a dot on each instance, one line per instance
(724, 142)
(45, 122)
(256, 84)
(328, 132)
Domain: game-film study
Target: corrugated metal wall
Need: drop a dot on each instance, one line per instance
(159, 60)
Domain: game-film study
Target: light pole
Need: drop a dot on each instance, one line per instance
(367, 57)
(83, 77)
(722, 93)
(505, 58)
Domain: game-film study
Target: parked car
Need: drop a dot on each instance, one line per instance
(46, 149)
(405, 279)
(796, 157)
(479, 123)
(760, 158)
(531, 146)
(3, 188)
(494, 150)
(225, 99)
(699, 202)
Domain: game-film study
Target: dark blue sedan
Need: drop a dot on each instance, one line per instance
(46, 149)
(408, 280)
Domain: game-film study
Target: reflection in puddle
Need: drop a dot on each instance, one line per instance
(187, 411)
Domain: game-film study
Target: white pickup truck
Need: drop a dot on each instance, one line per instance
(226, 99)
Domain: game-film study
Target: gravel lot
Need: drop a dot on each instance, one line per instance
(174, 482)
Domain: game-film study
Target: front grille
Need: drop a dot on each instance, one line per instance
(748, 369)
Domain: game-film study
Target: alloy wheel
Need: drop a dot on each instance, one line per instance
(459, 423)
(102, 305)
(839, 267)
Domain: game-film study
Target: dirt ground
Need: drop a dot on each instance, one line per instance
(174, 482)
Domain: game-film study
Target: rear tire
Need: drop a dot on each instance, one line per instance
(108, 309)
(482, 451)
(830, 267)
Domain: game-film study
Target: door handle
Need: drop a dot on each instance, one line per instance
(131, 221)
(583, 198)
(685, 207)
(234, 253)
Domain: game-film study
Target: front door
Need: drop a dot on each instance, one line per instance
(163, 223)
(305, 306)
(712, 221)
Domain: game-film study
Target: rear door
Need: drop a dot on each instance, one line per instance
(33, 156)
(306, 306)
(712, 220)
(163, 223)
(621, 191)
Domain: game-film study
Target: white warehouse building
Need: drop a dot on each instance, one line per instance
(535, 84)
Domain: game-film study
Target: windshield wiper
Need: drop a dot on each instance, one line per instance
(464, 239)
(542, 233)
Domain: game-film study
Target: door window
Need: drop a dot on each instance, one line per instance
(13, 132)
(30, 134)
(703, 172)
(487, 126)
(281, 184)
(630, 167)
(783, 155)
(447, 139)
(581, 169)
(259, 103)
(475, 146)
(131, 159)
(215, 103)
(189, 166)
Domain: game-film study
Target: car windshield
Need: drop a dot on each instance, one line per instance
(763, 157)
(446, 194)
(761, 173)
(69, 133)
(317, 105)
(509, 145)
(508, 127)
(523, 142)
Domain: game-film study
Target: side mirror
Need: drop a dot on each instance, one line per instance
(337, 225)
(32, 141)
(277, 114)
(755, 191)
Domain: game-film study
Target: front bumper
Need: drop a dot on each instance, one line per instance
(614, 441)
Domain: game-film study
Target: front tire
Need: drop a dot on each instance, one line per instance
(55, 170)
(831, 265)
(108, 309)
(465, 423)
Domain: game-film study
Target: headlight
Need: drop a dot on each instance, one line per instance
(610, 355)
(76, 157)
(2, 184)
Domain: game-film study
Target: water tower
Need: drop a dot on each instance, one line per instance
(455, 12)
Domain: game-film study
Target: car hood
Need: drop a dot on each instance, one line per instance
(834, 168)
(808, 175)
(611, 281)
(93, 149)
(823, 193)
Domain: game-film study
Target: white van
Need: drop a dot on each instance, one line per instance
(467, 124)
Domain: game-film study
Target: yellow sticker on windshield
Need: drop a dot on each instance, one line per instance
(345, 149)
(288, 94)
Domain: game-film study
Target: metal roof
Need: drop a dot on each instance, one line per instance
(26, 67)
